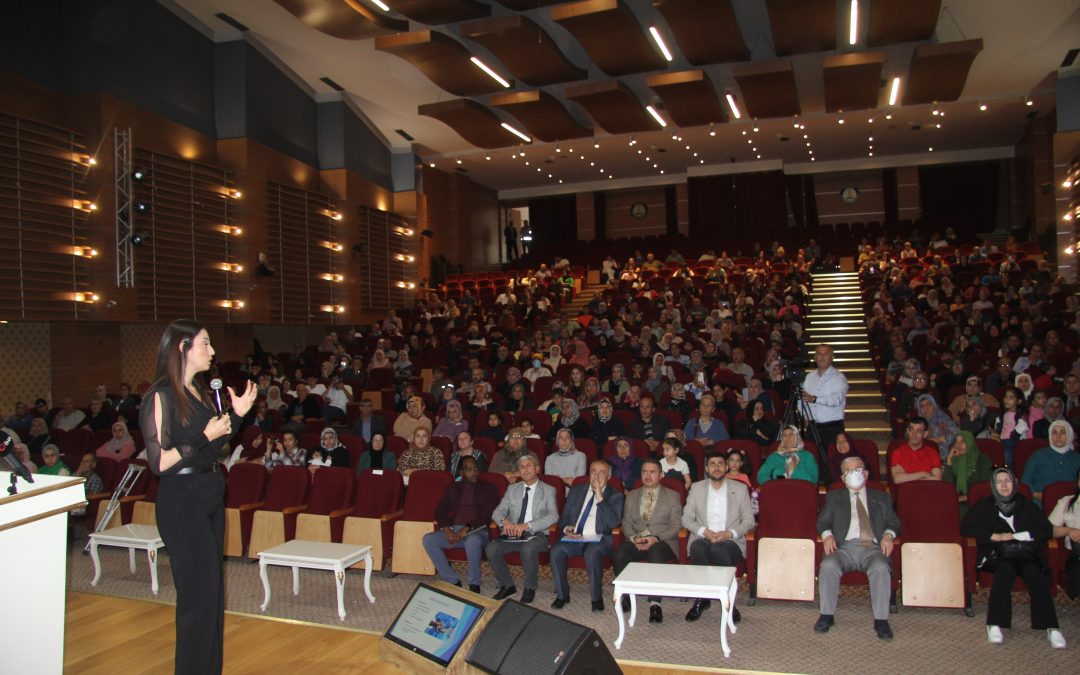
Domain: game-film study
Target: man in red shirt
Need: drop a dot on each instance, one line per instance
(914, 460)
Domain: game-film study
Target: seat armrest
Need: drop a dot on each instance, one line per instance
(294, 509)
(388, 517)
(340, 513)
(750, 536)
(251, 507)
(132, 498)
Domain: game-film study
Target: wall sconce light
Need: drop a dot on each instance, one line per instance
(85, 297)
(84, 251)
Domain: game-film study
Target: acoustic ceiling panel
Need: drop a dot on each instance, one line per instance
(523, 5)
(705, 30)
(439, 11)
(612, 106)
(893, 21)
(802, 26)
(852, 81)
(611, 34)
(939, 72)
(345, 20)
(472, 121)
(542, 114)
(689, 97)
(524, 48)
(768, 89)
(444, 60)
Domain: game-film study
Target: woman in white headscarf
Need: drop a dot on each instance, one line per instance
(120, 446)
(791, 460)
(452, 423)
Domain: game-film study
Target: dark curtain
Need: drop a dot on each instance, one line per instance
(890, 197)
(600, 215)
(797, 200)
(739, 209)
(811, 202)
(671, 210)
(761, 206)
(963, 196)
(711, 206)
(553, 221)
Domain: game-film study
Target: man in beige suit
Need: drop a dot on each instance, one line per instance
(718, 516)
(650, 526)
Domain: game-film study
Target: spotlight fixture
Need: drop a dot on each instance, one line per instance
(138, 174)
(982, 107)
(139, 238)
(458, 160)
(1028, 101)
(431, 164)
(596, 145)
(142, 207)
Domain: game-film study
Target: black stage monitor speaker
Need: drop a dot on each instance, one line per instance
(521, 639)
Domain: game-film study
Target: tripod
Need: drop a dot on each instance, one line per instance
(799, 415)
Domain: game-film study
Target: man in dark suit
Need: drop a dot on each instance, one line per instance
(369, 422)
(524, 515)
(304, 407)
(651, 520)
(857, 527)
(592, 509)
(462, 518)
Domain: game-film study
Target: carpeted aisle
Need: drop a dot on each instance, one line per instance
(773, 636)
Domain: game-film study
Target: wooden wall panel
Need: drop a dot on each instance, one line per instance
(72, 373)
(621, 224)
(907, 193)
(831, 209)
(586, 216)
(464, 217)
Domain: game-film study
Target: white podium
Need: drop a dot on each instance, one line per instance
(33, 556)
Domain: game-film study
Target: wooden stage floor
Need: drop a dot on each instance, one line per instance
(116, 636)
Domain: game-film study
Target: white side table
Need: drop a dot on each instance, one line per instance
(142, 537)
(317, 555)
(712, 583)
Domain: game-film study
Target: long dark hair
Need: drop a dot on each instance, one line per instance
(176, 342)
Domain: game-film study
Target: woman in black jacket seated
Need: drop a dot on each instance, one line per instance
(1011, 531)
(756, 426)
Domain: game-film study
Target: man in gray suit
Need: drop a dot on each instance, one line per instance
(718, 515)
(652, 516)
(524, 515)
(592, 509)
(857, 528)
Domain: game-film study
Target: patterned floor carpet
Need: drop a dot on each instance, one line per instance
(773, 635)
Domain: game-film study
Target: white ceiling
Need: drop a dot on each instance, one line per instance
(1024, 43)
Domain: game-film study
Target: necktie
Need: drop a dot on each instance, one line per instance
(866, 533)
(524, 505)
(650, 501)
(580, 529)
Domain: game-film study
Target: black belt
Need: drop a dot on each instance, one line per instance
(187, 471)
(834, 423)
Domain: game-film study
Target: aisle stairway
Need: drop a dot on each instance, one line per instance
(836, 316)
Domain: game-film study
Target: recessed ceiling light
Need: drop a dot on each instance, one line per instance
(983, 107)
(596, 145)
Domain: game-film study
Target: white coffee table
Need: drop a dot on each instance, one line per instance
(317, 555)
(680, 581)
(141, 537)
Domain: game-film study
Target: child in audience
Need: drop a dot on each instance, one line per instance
(493, 428)
(673, 465)
(735, 462)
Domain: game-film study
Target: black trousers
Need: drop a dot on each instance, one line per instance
(721, 554)
(1072, 571)
(659, 552)
(191, 520)
(999, 611)
(828, 432)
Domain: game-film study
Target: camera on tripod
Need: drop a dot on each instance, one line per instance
(795, 369)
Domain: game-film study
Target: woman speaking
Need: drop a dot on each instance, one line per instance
(184, 434)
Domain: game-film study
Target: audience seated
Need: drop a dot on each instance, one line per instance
(463, 447)
(914, 460)
(69, 416)
(566, 462)
(791, 460)
(377, 455)
(406, 425)
(420, 455)
(51, 464)
(1058, 462)
(461, 521)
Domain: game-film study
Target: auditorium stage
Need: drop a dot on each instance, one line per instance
(773, 636)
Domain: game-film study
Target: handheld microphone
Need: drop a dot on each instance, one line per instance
(6, 445)
(215, 384)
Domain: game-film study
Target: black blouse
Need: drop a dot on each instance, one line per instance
(196, 450)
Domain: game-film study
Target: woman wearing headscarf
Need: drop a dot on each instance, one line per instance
(555, 358)
(606, 426)
(22, 454)
(1066, 521)
(590, 394)
(756, 426)
(273, 399)
(377, 455)
(677, 401)
(567, 462)
(120, 446)
(414, 418)
(51, 464)
(1026, 386)
(1054, 411)
(791, 460)
(940, 428)
(403, 367)
(421, 455)
(452, 423)
(580, 355)
(330, 451)
(965, 464)
(842, 448)
(977, 419)
(625, 464)
(569, 417)
(39, 435)
(617, 384)
(1010, 531)
(1053, 464)
(512, 377)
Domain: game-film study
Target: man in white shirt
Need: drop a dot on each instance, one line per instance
(335, 401)
(825, 396)
(718, 515)
(69, 416)
(857, 527)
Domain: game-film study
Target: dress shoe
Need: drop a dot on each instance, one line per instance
(505, 592)
(528, 595)
(625, 602)
(597, 605)
(699, 606)
(560, 602)
(993, 634)
(458, 583)
(823, 623)
(656, 615)
(475, 588)
(735, 616)
(882, 629)
(1057, 640)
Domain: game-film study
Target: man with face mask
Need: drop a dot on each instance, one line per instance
(718, 515)
(857, 526)
(1059, 462)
